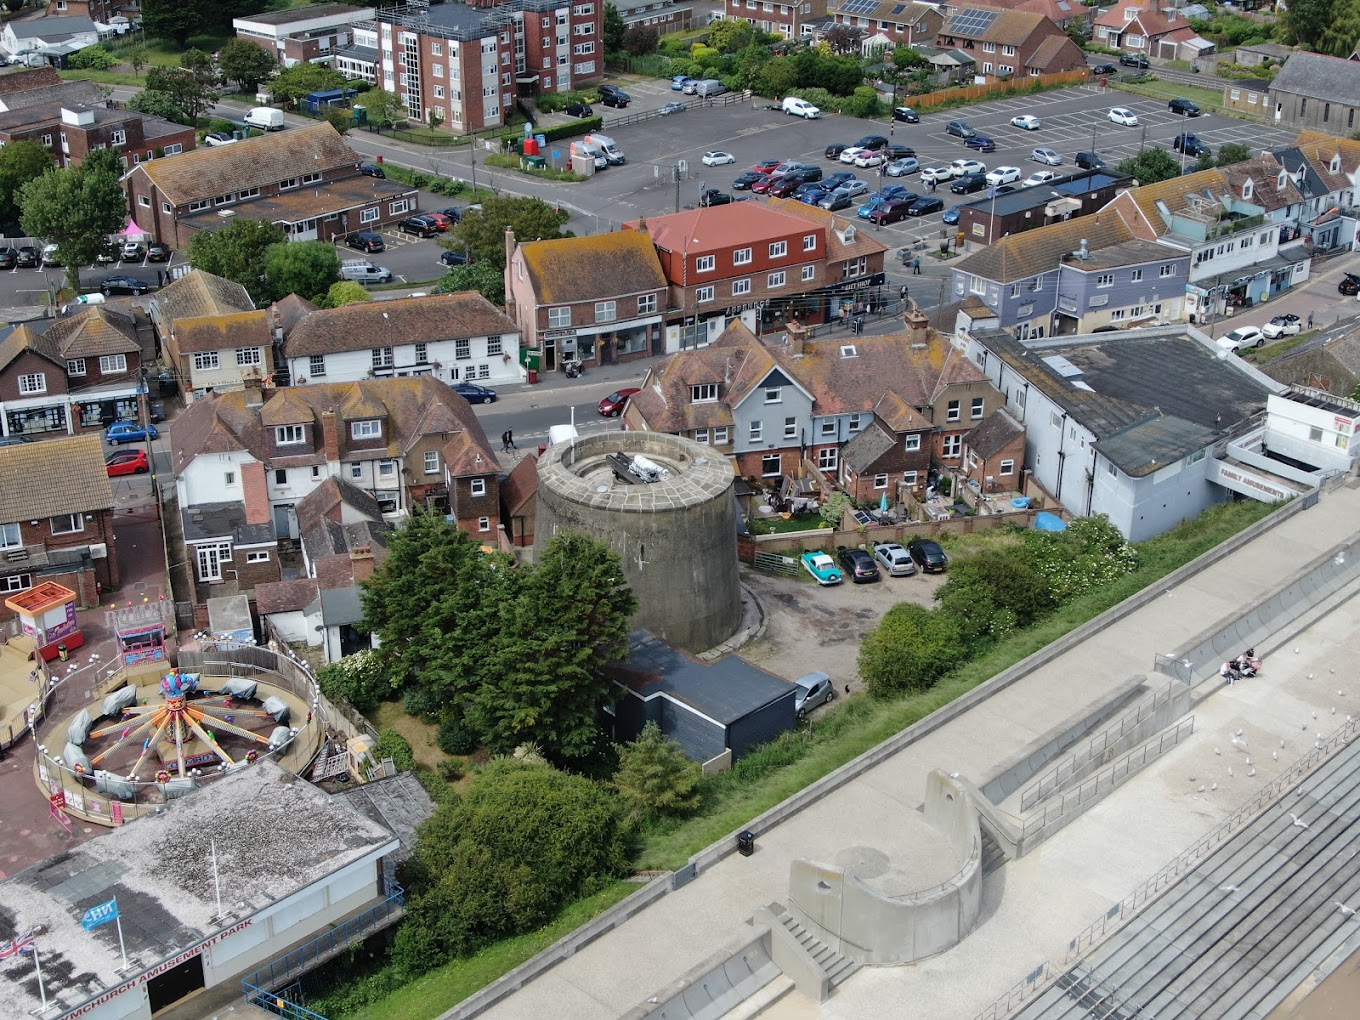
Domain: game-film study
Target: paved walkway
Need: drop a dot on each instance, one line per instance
(1030, 907)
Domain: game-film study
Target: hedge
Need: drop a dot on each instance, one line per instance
(584, 126)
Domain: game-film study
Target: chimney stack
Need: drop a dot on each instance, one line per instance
(254, 387)
(330, 437)
(361, 563)
(796, 338)
(918, 325)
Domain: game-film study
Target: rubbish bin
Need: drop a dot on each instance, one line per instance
(533, 376)
(535, 162)
(746, 842)
(63, 653)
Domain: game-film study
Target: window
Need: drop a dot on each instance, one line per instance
(281, 476)
(10, 537)
(910, 478)
(1007, 467)
(316, 364)
(778, 249)
(757, 433)
(287, 435)
(76, 366)
(462, 348)
(771, 466)
(1105, 280)
(954, 412)
(977, 407)
(381, 357)
(740, 287)
(478, 487)
(422, 354)
(398, 208)
(229, 478)
(912, 443)
(703, 393)
(1136, 275)
(703, 294)
(776, 279)
(829, 427)
(559, 318)
(809, 242)
(436, 49)
(369, 428)
(1167, 270)
(248, 356)
(701, 436)
(204, 360)
(356, 471)
(144, 201)
(880, 481)
(258, 557)
(741, 257)
(174, 149)
(809, 273)
(774, 395)
(210, 560)
(1015, 290)
(436, 70)
(68, 524)
(705, 263)
(790, 428)
(369, 215)
(483, 523)
(33, 383)
(387, 468)
(647, 304)
(606, 311)
(854, 423)
(952, 445)
(431, 462)
(828, 458)
(720, 435)
(16, 582)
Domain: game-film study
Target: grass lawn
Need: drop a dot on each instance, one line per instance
(1264, 355)
(776, 525)
(1208, 99)
(106, 77)
(452, 983)
(422, 736)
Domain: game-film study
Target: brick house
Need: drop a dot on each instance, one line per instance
(994, 452)
(887, 23)
(791, 20)
(78, 375)
(519, 502)
(310, 34)
(894, 450)
(1012, 43)
(96, 10)
(56, 518)
(306, 180)
(71, 131)
(451, 337)
(1151, 30)
(601, 298)
(210, 334)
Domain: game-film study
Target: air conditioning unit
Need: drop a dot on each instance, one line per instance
(99, 551)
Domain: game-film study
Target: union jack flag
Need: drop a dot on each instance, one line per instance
(23, 944)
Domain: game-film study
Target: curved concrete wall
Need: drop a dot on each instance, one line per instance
(677, 538)
(864, 925)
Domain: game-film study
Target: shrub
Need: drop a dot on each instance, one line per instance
(834, 508)
(358, 679)
(392, 744)
(422, 702)
(911, 648)
(93, 58)
(455, 737)
(450, 771)
(655, 777)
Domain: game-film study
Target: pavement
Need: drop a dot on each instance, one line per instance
(1032, 907)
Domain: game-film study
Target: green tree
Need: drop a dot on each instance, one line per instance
(434, 116)
(1091, 553)
(478, 276)
(189, 91)
(640, 40)
(614, 28)
(245, 63)
(358, 679)
(1343, 28)
(292, 83)
(731, 35)
(992, 593)
(834, 508)
(172, 19)
(544, 681)
(385, 109)
(1151, 166)
(1307, 20)
(482, 233)
(136, 59)
(904, 58)
(158, 104)
(20, 162)
(339, 117)
(524, 841)
(911, 648)
(237, 252)
(76, 208)
(777, 77)
(344, 292)
(300, 267)
(1232, 152)
(93, 58)
(655, 777)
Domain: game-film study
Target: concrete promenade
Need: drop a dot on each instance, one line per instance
(1031, 908)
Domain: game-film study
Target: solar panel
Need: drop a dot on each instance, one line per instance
(971, 22)
(899, 8)
(858, 6)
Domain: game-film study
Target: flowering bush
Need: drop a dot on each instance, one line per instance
(358, 679)
(1090, 554)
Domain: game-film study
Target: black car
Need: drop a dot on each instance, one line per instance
(1183, 108)
(838, 178)
(612, 95)
(802, 174)
(124, 285)
(1349, 285)
(892, 212)
(873, 142)
(925, 205)
(365, 240)
(905, 115)
(834, 151)
(453, 213)
(892, 152)
(9, 258)
(980, 142)
(1134, 60)
(714, 197)
(928, 555)
(745, 179)
(373, 170)
(968, 183)
(453, 258)
(418, 225)
(475, 394)
(158, 252)
(1104, 69)
(859, 565)
(1190, 143)
(579, 110)
(27, 256)
(1089, 161)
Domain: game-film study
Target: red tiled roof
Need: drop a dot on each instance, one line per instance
(720, 226)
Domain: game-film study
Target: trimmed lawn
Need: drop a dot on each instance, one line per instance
(422, 736)
(1207, 99)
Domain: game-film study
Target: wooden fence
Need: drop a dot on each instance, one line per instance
(996, 89)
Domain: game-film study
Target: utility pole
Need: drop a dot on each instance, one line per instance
(675, 173)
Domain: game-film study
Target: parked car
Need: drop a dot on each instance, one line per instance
(840, 177)
(834, 200)
(127, 462)
(51, 256)
(769, 166)
(612, 406)
(1183, 108)
(132, 251)
(892, 212)
(714, 197)
(215, 138)
(874, 142)
(1281, 325)
(716, 157)
(582, 109)
(674, 106)
(937, 174)
(1190, 143)
(678, 82)
(894, 559)
(858, 565)
(854, 187)
(421, 226)
(1089, 161)
(814, 689)
(967, 166)
(928, 555)
(1349, 285)
(475, 394)
(982, 143)
(905, 115)
(158, 252)
(1134, 60)
(951, 215)
(128, 432)
(891, 193)
(834, 150)
(796, 107)
(960, 129)
(969, 183)
(1123, 115)
(1242, 338)
(821, 566)
(745, 179)
(1046, 156)
(1104, 69)
(612, 95)
(851, 153)
(902, 167)
(1037, 178)
(1004, 175)
(441, 222)
(813, 193)
(893, 151)
(869, 159)
(124, 285)
(373, 170)
(366, 241)
(453, 257)
(925, 205)
(26, 257)
(1027, 121)
(9, 258)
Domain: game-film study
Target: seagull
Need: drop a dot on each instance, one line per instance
(1275, 755)
(1250, 762)
(1348, 911)
(1296, 651)
(1230, 772)
(1298, 822)
(1217, 751)
(1230, 888)
(1315, 714)
(1251, 772)
(1201, 787)
(1282, 743)
(953, 775)
(1214, 786)
(1333, 710)
(1310, 676)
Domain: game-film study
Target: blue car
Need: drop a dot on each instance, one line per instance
(952, 216)
(891, 193)
(679, 82)
(128, 432)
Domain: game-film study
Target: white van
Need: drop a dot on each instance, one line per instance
(796, 107)
(266, 118)
(364, 271)
(612, 153)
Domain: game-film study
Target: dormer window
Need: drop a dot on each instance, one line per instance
(1336, 163)
(369, 428)
(1246, 188)
(288, 435)
(703, 393)
(1280, 181)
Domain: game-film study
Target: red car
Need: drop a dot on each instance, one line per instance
(127, 462)
(766, 166)
(442, 221)
(612, 406)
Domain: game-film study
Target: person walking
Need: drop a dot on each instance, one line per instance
(903, 293)
(916, 266)
(505, 441)
(1310, 320)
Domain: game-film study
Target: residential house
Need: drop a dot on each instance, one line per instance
(601, 299)
(203, 321)
(986, 220)
(56, 523)
(36, 85)
(790, 19)
(1009, 43)
(1248, 95)
(887, 24)
(306, 180)
(106, 12)
(1068, 15)
(71, 131)
(519, 502)
(762, 262)
(1124, 423)
(48, 38)
(311, 34)
(1162, 33)
(893, 451)
(451, 337)
(1075, 276)
(1316, 92)
(994, 453)
(1325, 169)
(775, 405)
(77, 374)
(662, 15)
(1232, 222)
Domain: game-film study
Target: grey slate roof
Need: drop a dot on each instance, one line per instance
(339, 606)
(398, 803)
(50, 28)
(1291, 157)
(1316, 75)
(991, 435)
(223, 520)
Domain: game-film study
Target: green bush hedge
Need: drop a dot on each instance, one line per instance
(513, 139)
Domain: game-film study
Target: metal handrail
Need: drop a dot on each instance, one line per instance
(272, 1002)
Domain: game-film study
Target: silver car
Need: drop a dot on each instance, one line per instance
(894, 559)
(813, 689)
(902, 167)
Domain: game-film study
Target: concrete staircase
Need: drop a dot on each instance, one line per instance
(836, 967)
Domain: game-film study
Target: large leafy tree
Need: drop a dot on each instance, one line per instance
(20, 162)
(478, 276)
(245, 63)
(190, 90)
(482, 233)
(237, 252)
(76, 208)
(385, 109)
(1308, 19)
(344, 292)
(1151, 166)
(300, 267)
(731, 34)
(172, 19)
(1232, 152)
(614, 28)
(655, 778)
(911, 648)
(993, 592)
(292, 83)
(1343, 28)
(158, 104)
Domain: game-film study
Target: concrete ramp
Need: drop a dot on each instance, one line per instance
(716, 986)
